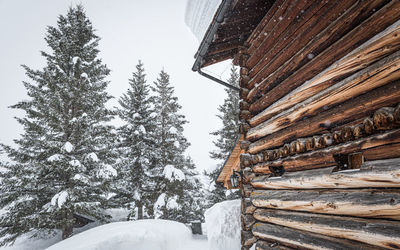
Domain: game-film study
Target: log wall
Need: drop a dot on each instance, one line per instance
(320, 115)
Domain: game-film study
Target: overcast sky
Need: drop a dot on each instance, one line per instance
(150, 30)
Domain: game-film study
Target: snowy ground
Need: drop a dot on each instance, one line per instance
(138, 235)
(222, 227)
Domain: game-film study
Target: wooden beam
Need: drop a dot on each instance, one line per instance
(380, 233)
(375, 49)
(283, 84)
(302, 239)
(356, 108)
(370, 203)
(264, 245)
(388, 142)
(373, 174)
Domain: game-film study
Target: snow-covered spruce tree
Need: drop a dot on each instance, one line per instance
(61, 165)
(135, 146)
(226, 138)
(173, 173)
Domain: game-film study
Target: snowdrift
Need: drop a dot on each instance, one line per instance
(138, 235)
(223, 225)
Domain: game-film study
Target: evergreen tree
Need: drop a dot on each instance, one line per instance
(135, 145)
(61, 166)
(226, 137)
(174, 174)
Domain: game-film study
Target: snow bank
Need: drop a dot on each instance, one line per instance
(223, 225)
(199, 14)
(138, 235)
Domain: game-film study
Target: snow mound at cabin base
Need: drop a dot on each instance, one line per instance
(138, 235)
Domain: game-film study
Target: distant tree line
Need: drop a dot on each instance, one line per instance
(71, 161)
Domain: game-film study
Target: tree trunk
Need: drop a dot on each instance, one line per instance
(68, 227)
(140, 210)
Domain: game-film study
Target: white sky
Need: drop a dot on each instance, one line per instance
(150, 30)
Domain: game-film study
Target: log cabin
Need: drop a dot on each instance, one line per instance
(320, 120)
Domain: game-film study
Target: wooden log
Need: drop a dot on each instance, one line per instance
(246, 190)
(375, 49)
(244, 105)
(383, 118)
(324, 157)
(317, 142)
(381, 233)
(248, 175)
(247, 207)
(244, 145)
(264, 245)
(383, 152)
(369, 203)
(309, 144)
(396, 114)
(372, 77)
(244, 127)
(387, 95)
(286, 25)
(284, 50)
(337, 137)
(374, 174)
(243, 93)
(380, 20)
(302, 239)
(285, 150)
(245, 115)
(247, 221)
(246, 159)
(247, 238)
(327, 140)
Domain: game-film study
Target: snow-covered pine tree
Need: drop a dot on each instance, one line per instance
(135, 146)
(174, 173)
(226, 137)
(61, 165)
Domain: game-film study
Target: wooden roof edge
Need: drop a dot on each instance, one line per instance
(221, 176)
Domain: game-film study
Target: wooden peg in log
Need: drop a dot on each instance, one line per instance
(309, 143)
(317, 140)
(285, 150)
(292, 148)
(368, 126)
(337, 137)
(301, 145)
(383, 118)
(358, 130)
(327, 140)
(346, 133)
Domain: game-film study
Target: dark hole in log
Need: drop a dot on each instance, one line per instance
(276, 170)
(348, 161)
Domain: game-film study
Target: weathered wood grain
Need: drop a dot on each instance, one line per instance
(372, 203)
(287, 28)
(304, 36)
(374, 174)
(264, 245)
(373, 50)
(374, 76)
(386, 16)
(348, 111)
(303, 239)
(381, 233)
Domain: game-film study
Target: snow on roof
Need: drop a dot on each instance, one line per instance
(138, 235)
(199, 14)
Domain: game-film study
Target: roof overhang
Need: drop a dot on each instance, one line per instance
(231, 163)
(232, 24)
